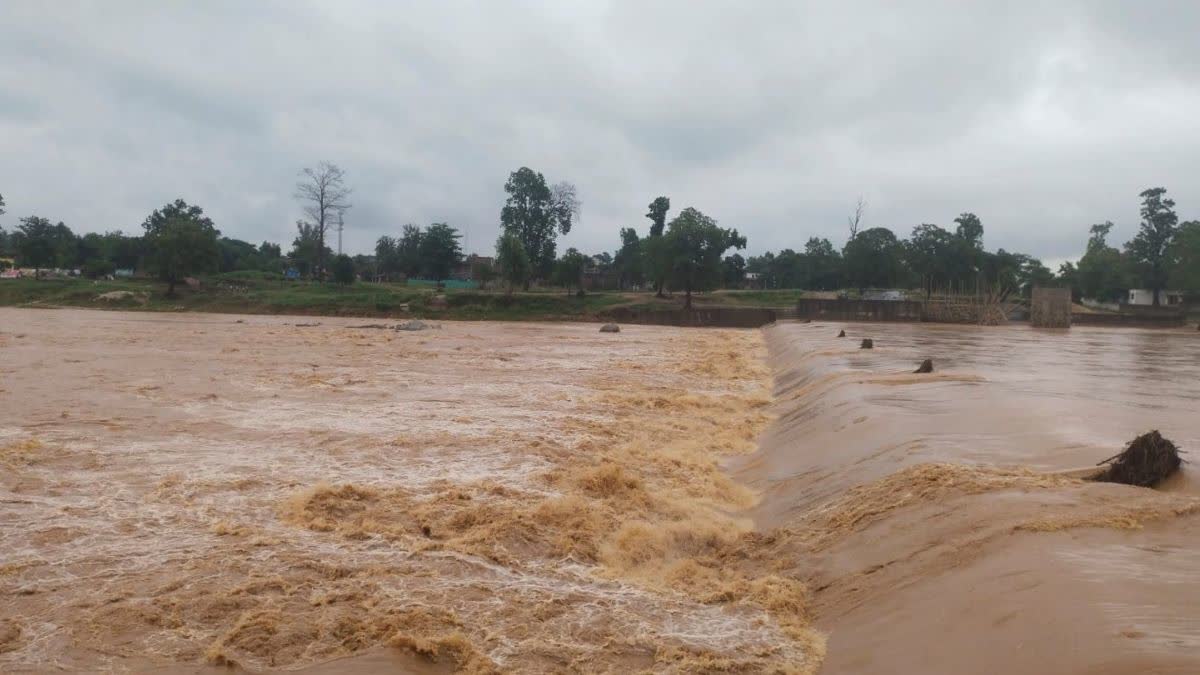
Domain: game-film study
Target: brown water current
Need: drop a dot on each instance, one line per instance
(939, 520)
(184, 492)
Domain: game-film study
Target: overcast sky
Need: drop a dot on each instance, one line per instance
(773, 118)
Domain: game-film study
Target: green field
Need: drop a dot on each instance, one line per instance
(257, 293)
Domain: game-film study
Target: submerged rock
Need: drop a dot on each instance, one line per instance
(925, 367)
(610, 328)
(867, 343)
(415, 324)
(841, 333)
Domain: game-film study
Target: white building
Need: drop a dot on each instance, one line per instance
(1144, 296)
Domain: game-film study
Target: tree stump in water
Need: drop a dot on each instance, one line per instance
(842, 333)
(1146, 461)
(867, 343)
(925, 367)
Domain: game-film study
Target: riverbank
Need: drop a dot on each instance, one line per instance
(251, 294)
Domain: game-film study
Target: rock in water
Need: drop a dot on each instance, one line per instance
(610, 328)
(841, 333)
(414, 324)
(1147, 460)
(867, 343)
(925, 367)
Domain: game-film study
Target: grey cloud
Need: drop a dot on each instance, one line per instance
(770, 116)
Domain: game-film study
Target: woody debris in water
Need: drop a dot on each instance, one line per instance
(1145, 462)
(925, 367)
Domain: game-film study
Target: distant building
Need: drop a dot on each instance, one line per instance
(1145, 297)
(468, 269)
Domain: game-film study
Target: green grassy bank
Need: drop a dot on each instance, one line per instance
(253, 293)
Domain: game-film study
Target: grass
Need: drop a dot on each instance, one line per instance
(267, 293)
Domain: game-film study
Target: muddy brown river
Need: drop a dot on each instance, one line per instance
(189, 493)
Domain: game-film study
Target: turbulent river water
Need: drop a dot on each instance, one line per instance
(190, 493)
(938, 515)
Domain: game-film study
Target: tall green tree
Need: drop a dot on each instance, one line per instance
(343, 270)
(36, 244)
(657, 214)
(823, 265)
(1184, 254)
(873, 259)
(536, 213)
(1102, 272)
(387, 261)
(307, 250)
(926, 253)
(440, 251)
(655, 254)
(733, 271)
(628, 261)
(181, 242)
(568, 270)
(695, 245)
(969, 229)
(408, 251)
(1148, 250)
(512, 261)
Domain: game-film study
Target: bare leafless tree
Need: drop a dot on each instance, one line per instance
(323, 193)
(856, 219)
(565, 205)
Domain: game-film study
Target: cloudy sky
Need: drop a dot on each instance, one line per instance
(772, 117)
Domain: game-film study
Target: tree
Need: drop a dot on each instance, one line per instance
(408, 251)
(1184, 254)
(733, 270)
(872, 259)
(694, 245)
(483, 272)
(824, 265)
(1068, 277)
(658, 215)
(512, 260)
(628, 261)
(324, 194)
(1102, 271)
(387, 261)
(1148, 250)
(535, 214)
(568, 271)
(853, 221)
(2, 211)
(970, 229)
(36, 244)
(343, 269)
(181, 241)
(270, 251)
(440, 251)
(307, 249)
(926, 253)
(654, 254)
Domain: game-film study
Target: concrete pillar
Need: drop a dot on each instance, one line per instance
(1050, 308)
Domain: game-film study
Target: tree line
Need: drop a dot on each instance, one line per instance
(685, 253)
(1164, 254)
